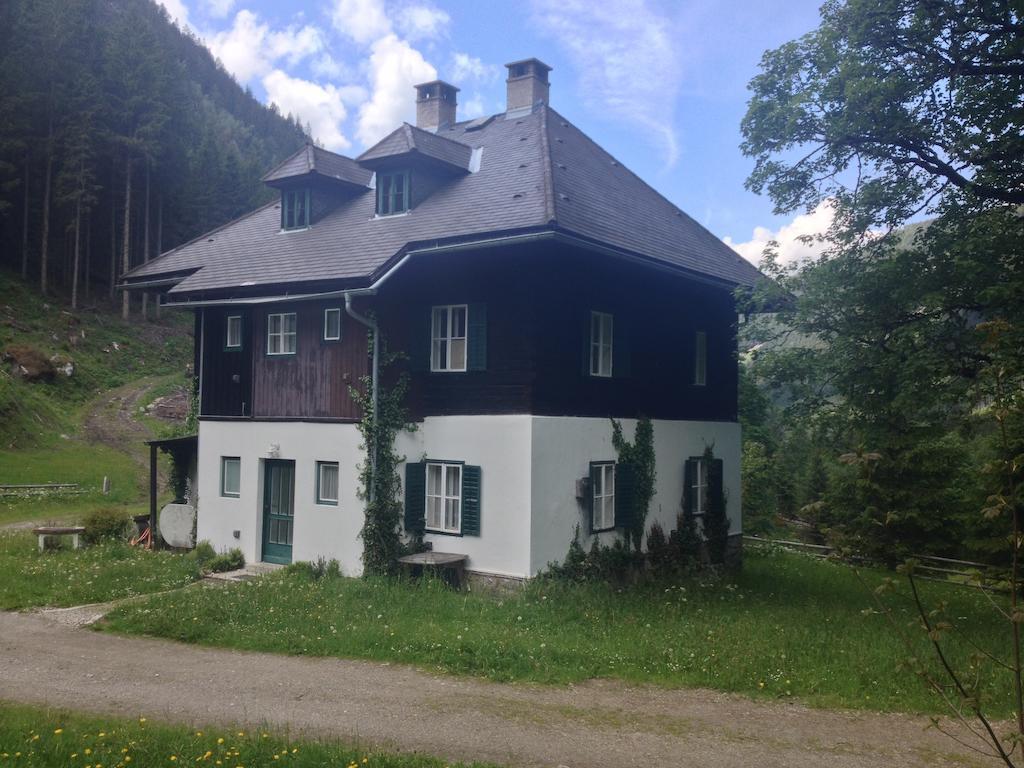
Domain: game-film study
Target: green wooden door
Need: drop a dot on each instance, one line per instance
(278, 510)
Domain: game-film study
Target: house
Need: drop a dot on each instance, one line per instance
(536, 286)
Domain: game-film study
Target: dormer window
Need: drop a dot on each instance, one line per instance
(295, 209)
(392, 193)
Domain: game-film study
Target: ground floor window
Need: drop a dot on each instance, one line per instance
(230, 476)
(699, 486)
(444, 497)
(327, 482)
(602, 478)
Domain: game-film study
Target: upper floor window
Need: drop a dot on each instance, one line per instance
(233, 332)
(700, 359)
(448, 338)
(601, 344)
(332, 324)
(281, 334)
(392, 193)
(295, 209)
(602, 479)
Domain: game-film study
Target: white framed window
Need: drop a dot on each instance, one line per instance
(332, 324)
(448, 337)
(327, 482)
(233, 332)
(700, 358)
(601, 344)
(444, 497)
(603, 478)
(699, 489)
(230, 476)
(281, 334)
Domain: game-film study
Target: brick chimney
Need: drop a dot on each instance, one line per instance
(435, 105)
(527, 85)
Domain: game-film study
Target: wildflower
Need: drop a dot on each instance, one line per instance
(58, 731)
(87, 751)
(173, 758)
(142, 720)
(220, 740)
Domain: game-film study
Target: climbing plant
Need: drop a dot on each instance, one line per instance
(378, 473)
(636, 461)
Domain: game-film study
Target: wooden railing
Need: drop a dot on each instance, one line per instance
(931, 567)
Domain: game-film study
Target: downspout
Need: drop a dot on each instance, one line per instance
(374, 377)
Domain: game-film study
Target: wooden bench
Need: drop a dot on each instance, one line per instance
(442, 561)
(73, 531)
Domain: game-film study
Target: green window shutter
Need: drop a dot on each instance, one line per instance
(689, 468)
(415, 497)
(715, 480)
(621, 356)
(594, 469)
(476, 355)
(420, 340)
(470, 500)
(586, 344)
(625, 495)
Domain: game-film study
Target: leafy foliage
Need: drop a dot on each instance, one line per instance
(716, 521)
(107, 524)
(638, 457)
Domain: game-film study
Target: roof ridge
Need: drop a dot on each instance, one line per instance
(204, 235)
(417, 129)
(549, 186)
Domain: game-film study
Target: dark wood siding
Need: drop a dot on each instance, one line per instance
(538, 303)
(226, 374)
(314, 382)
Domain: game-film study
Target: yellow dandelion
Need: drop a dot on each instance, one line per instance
(101, 734)
(87, 751)
(58, 731)
(127, 758)
(199, 733)
(241, 733)
(142, 720)
(73, 754)
(173, 758)
(220, 740)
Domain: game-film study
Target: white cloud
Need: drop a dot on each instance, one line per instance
(177, 10)
(362, 20)
(218, 9)
(626, 57)
(249, 48)
(466, 68)
(394, 67)
(322, 106)
(419, 22)
(791, 248)
(473, 107)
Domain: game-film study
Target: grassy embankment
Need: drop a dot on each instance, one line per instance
(785, 627)
(31, 736)
(45, 436)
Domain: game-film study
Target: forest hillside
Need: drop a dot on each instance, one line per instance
(120, 137)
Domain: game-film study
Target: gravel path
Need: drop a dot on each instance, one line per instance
(597, 724)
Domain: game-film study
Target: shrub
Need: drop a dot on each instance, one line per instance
(659, 555)
(232, 560)
(107, 524)
(685, 544)
(204, 554)
(616, 563)
(316, 570)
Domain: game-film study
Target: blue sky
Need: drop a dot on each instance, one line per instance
(661, 85)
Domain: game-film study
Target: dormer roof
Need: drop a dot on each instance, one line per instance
(312, 161)
(408, 142)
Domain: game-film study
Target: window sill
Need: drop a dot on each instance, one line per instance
(382, 216)
(281, 354)
(284, 231)
(231, 495)
(326, 503)
(443, 533)
(602, 530)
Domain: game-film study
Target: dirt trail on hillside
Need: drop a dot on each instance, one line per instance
(592, 725)
(112, 420)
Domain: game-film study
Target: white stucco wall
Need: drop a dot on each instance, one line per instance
(529, 466)
(563, 447)
(319, 530)
(500, 446)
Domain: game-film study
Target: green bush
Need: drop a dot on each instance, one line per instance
(616, 563)
(204, 554)
(232, 560)
(107, 524)
(317, 570)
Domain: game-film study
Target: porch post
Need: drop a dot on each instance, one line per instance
(152, 496)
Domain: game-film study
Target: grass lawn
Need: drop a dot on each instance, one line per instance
(69, 461)
(787, 626)
(42, 737)
(96, 574)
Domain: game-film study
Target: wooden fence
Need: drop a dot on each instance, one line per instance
(963, 572)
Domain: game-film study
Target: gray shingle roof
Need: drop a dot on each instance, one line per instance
(313, 159)
(537, 171)
(409, 139)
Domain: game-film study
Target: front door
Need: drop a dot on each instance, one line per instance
(278, 510)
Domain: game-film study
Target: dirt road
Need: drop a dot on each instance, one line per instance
(593, 725)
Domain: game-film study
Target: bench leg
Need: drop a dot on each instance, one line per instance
(42, 542)
(74, 541)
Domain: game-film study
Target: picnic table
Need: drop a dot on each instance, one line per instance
(442, 561)
(74, 531)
